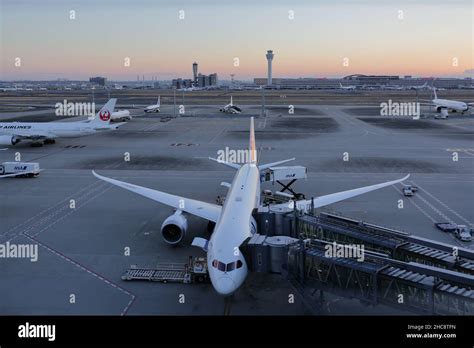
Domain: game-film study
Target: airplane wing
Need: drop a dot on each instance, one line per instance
(204, 210)
(232, 165)
(269, 165)
(336, 197)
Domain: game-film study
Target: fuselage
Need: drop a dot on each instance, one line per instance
(52, 129)
(231, 109)
(227, 266)
(152, 108)
(451, 104)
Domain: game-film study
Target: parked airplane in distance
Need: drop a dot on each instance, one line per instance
(11, 133)
(231, 108)
(153, 108)
(121, 115)
(420, 87)
(347, 88)
(234, 222)
(444, 106)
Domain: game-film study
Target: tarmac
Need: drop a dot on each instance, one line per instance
(82, 249)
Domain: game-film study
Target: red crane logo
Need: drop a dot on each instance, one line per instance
(104, 115)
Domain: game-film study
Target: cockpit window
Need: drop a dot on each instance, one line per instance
(230, 267)
(227, 268)
(233, 265)
(219, 265)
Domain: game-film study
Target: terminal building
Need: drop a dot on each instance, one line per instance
(182, 83)
(206, 80)
(98, 80)
(361, 81)
(198, 80)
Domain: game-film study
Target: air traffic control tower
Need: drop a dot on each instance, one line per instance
(195, 72)
(269, 56)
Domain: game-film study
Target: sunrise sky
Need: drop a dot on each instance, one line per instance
(417, 37)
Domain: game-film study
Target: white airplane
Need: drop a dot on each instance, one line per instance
(8, 89)
(419, 87)
(392, 88)
(443, 106)
(347, 88)
(12, 133)
(231, 108)
(121, 115)
(153, 108)
(234, 223)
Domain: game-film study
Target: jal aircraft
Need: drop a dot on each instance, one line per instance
(234, 223)
(445, 105)
(12, 133)
(153, 108)
(231, 108)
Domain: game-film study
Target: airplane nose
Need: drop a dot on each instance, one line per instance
(225, 286)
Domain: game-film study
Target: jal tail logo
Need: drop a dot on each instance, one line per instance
(104, 115)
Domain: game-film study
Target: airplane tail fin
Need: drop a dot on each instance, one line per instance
(158, 102)
(252, 147)
(231, 101)
(434, 93)
(102, 118)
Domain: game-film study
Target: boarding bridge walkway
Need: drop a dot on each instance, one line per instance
(399, 270)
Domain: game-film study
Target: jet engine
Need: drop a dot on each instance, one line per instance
(174, 228)
(9, 140)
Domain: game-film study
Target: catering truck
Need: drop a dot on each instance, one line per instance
(19, 169)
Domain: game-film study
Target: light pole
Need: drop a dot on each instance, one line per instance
(174, 99)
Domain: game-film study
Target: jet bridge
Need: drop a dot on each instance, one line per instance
(399, 270)
(407, 286)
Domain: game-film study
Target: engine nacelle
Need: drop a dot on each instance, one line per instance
(174, 228)
(8, 140)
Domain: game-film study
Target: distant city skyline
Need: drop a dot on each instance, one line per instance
(421, 38)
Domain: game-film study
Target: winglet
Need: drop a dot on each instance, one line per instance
(252, 148)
